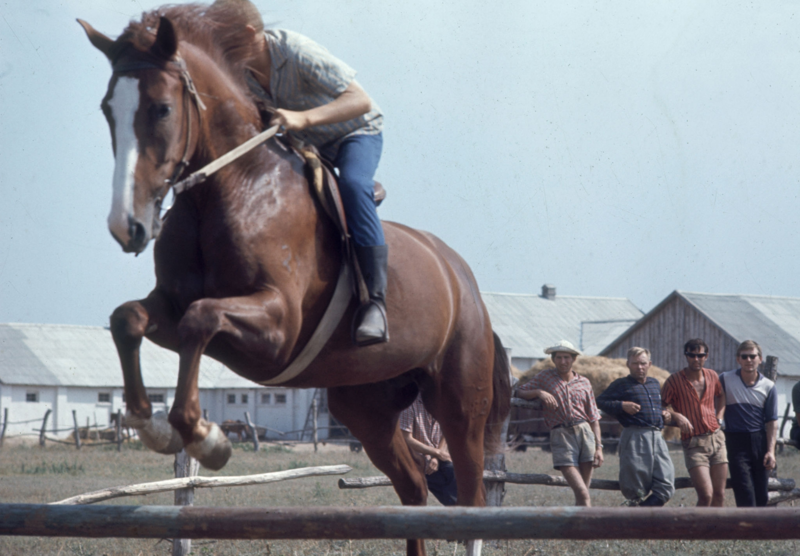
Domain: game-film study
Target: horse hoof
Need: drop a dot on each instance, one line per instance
(214, 451)
(156, 433)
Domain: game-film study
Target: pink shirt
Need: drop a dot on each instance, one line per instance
(575, 398)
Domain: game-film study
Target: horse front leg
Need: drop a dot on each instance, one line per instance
(131, 322)
(251, 326)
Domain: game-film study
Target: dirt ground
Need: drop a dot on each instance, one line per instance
(31, 474)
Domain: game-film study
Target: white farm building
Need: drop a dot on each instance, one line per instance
(66, 367)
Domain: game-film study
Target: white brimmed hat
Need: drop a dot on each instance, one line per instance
(564, 346)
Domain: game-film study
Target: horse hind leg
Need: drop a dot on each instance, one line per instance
(370, 412)
(129, 324)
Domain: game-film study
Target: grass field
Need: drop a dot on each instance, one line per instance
(30, 474)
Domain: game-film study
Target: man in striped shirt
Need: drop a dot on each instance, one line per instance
(424, 437)
(571, 414)
(315, 96)
(696, 403)
(644, 462)
(751, 426)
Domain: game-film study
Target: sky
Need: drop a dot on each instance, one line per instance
(611, 148)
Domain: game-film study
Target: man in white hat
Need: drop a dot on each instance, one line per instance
(571, 414)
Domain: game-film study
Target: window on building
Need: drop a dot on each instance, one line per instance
(280, 398)
(103, 397)
(156, 398)
(265, 398)
(32, 397)
(244, 398)
(231, 398)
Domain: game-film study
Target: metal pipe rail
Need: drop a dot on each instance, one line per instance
(397, 522)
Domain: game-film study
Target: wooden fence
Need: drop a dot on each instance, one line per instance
(398, 522)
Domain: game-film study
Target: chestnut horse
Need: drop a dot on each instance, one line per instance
(247, 262)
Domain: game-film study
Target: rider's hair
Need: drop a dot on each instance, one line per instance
(243, 12)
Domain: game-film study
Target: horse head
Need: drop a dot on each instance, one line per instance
(149, 113)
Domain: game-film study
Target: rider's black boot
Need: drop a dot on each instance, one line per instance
(370, 325)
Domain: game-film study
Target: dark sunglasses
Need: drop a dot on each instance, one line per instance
(696, 355)
(750, 356)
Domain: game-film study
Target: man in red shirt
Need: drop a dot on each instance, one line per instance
(697, 403)
(571, 414)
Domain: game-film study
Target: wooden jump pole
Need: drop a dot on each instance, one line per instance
(548, 480)
(398, 522)
(202, 482)
(185, 466)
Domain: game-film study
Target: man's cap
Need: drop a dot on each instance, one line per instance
(564, 346)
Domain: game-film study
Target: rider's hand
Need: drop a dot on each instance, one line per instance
(289, 120)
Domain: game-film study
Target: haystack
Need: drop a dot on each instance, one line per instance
(601, 372)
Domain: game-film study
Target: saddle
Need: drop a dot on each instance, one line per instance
(324, 186)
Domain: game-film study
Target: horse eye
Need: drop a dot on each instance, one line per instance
(160, 111)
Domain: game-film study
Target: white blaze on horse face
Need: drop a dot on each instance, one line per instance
(124, 103)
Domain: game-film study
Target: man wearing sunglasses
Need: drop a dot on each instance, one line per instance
(696, 402)
(751, 426)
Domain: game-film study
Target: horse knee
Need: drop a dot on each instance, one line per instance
(128, 323)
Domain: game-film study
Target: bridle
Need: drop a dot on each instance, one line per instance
(189, 94)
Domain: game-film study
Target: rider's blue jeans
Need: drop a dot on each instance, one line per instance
(357, 161)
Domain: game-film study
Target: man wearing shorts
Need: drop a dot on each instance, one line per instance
(695, 400)
(571, 414)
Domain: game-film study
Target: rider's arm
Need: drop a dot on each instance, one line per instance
(352, 103)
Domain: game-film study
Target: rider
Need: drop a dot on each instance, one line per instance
(315, 96)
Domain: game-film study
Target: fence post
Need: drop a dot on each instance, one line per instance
(771, 372)
(253, 430)
(314, 410)
(44, 426)
(5, 424)
(77, 431)
(185, 466)
(119, 430)
(771, 367)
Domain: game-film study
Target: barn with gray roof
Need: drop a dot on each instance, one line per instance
(67, 367)
(527, 324)
(723, 321)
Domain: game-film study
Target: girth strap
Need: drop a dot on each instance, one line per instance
(330, 320)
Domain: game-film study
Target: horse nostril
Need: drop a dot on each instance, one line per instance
(137, 233)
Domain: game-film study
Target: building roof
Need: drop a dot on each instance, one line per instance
(773, 322)
(528, 323)
(85, 356)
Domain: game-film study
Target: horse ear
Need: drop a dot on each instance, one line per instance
(98, 39)
(166, 44)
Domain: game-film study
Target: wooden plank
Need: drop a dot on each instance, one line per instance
(202, 482)
(397, 522)
(549, 480)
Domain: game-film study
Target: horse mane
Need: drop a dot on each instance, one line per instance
(217, 31)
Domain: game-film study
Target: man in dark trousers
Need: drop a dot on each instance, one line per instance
(424, 437)
(644, 463)
(751, 426)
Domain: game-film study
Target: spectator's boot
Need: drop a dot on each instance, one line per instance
(653, 501)
(370, 324)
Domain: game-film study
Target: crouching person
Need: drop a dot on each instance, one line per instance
(644, 463)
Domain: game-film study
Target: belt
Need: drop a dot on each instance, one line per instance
(568, 425)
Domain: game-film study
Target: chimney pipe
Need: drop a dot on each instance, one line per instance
(549, 291)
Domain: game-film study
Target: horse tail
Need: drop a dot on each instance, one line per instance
(494, 442)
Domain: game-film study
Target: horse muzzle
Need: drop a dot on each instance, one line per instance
(134, 237)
